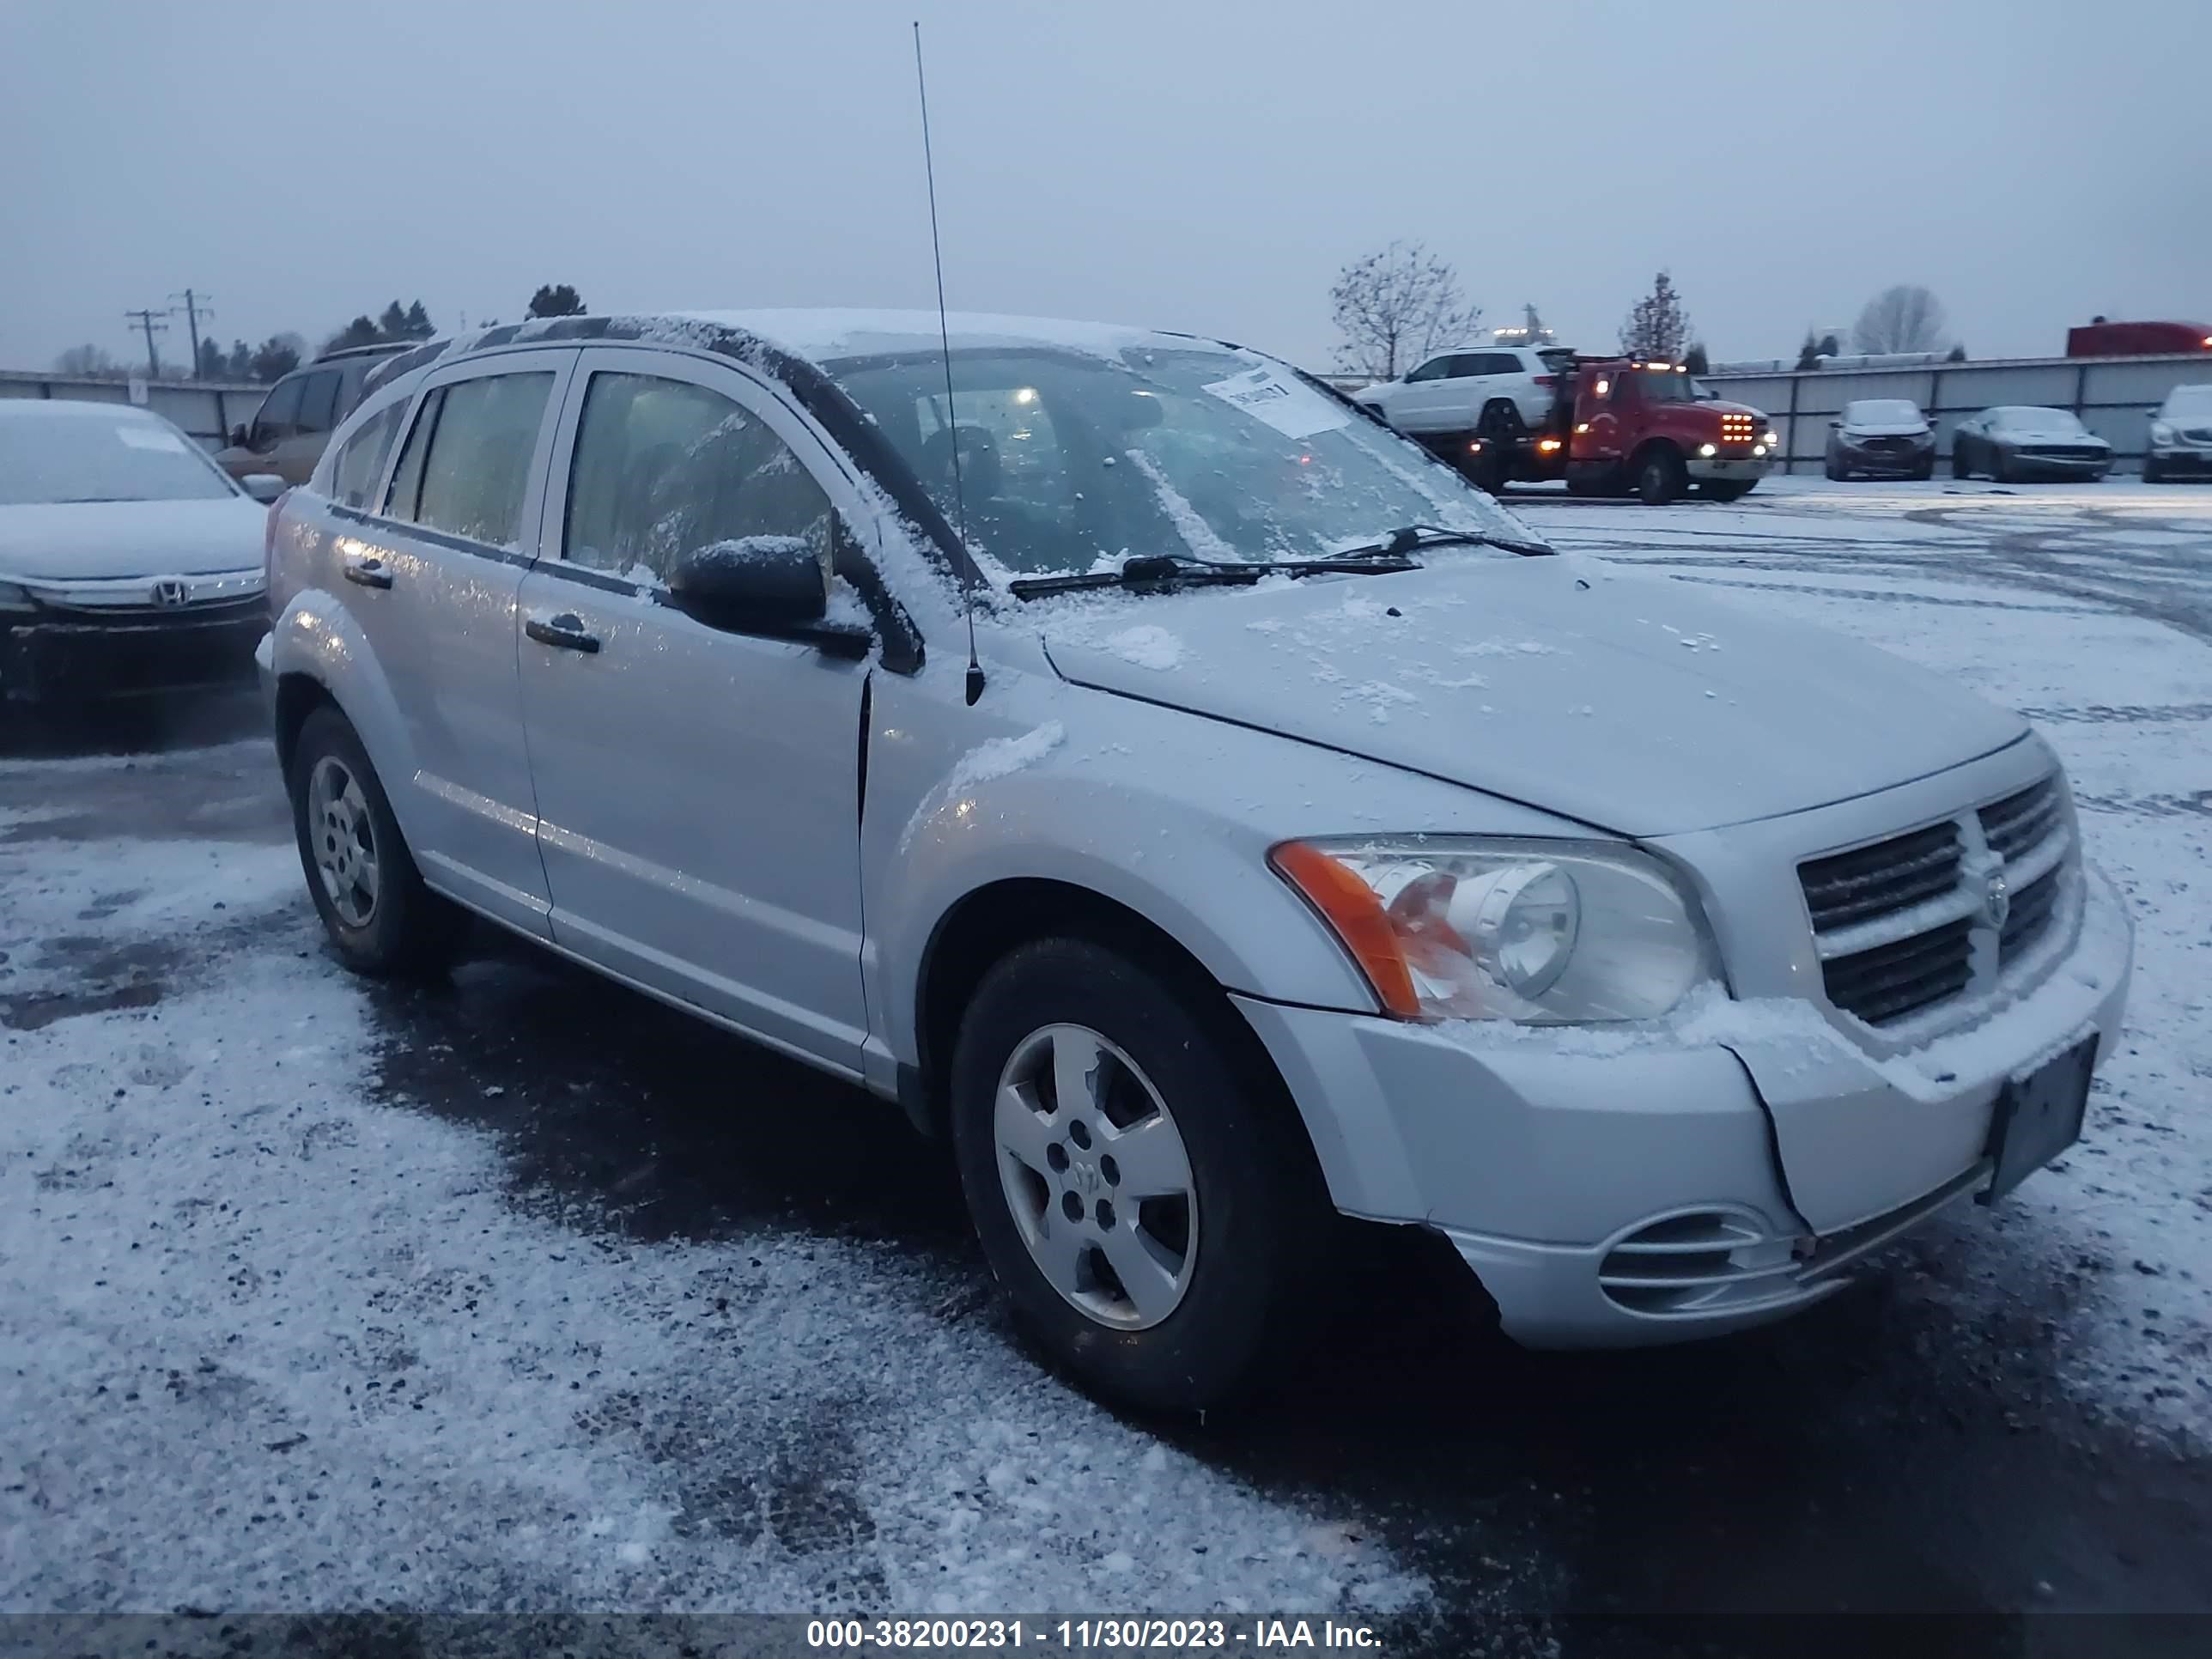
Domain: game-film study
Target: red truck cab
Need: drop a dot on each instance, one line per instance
(1647, 427)
(2106, 338)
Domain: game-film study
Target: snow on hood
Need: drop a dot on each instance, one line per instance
(1631, 702)
(70, 539)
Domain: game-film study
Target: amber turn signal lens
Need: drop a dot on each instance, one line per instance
(1351, 910)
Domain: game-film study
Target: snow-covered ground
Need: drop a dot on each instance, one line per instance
(272, 1337)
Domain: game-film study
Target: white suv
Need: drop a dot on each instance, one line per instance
(1450, 392)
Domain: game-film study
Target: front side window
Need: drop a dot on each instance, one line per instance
(467, 463)
(1068, 457)
(279, 414)
(359, 460)
(663, 468)
(1436, 368)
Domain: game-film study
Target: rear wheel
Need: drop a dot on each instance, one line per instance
(1660, 477)
(1146, 1200)
(380, 916)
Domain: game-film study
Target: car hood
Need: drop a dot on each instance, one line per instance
(1635, 703)
(1887, 429)
(68, 539)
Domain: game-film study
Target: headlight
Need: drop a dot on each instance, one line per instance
(1539, 932)
(1770, 440)
(1707, 450)
(13, 596)
(2161, 433)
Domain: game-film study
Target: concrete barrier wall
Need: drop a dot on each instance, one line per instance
(205, 409)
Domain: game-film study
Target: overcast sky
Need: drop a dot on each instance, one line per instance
(1203, 165)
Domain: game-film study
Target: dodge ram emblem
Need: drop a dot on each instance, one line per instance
(1996, 900)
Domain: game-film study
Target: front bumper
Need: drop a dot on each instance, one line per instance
(2184, 461)
(2058, 466)
(46, 660)
(1573, 1168)
(1902, 462)
(1728, 467)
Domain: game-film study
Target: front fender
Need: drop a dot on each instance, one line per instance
(317, 637)
(1164, 812)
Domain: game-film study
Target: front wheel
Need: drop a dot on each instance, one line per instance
(1659, 477)
(1837, 471)
(1144, 1197)
(1961, 467)
(380, 917)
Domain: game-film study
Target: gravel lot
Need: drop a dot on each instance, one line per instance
(524, 1293)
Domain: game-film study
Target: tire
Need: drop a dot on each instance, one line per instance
(381, 920)
(2152, 472)
(1926, 470)
(1229, 1269)
(1659, 475)
(2000, 470)
(1836, 474)
(1960, 467)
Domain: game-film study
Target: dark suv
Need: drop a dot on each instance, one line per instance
(287, 433)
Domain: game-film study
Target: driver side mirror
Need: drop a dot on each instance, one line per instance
(263, 487)
(765, 584)
(1838, 424)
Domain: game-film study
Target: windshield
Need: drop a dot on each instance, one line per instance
(1881, 412)
(2188, 402)
(2029, 419)
(125, 457)
(1070, 462)
(1668, 385)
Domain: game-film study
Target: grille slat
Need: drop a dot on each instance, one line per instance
(1877, 892)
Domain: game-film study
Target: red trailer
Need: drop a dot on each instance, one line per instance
(2106, 338)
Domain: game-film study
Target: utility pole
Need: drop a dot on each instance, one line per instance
(151, 323)
(196, 306)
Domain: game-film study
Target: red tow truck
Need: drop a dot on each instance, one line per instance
(1622, 426)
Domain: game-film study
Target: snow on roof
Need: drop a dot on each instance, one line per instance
(821, 335)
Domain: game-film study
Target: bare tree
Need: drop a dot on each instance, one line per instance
(1395, 306)
(1656, 325)
(1901, 319)
(85, 361)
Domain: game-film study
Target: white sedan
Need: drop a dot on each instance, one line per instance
(130, 563)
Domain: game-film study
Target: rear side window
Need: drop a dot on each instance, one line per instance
(663, 467)
(318, 401)
(360, 461)
(467, 462)
(1436, 368)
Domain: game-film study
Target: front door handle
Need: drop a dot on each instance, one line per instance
(565, 630)
(369, 572)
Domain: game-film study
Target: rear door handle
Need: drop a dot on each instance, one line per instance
(565, 630)
(369, 572)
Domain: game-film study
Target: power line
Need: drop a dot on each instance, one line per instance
(151, 323)
(196, 306)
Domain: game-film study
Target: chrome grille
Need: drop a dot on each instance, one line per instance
(1908, 922)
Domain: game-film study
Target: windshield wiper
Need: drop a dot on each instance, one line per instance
(1159, 571)
(1402, 542)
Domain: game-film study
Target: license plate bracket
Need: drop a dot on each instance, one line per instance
(2038, 1117)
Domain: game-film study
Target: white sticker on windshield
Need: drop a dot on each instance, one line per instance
(1292, 409)
(151, 437)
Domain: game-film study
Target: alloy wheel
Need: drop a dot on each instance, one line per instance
(1096, 1177)
(344, 840)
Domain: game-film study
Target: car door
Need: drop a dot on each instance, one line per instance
(277, 419)
(1423, 402)
(698, 790)
(1602, 417)
(433, 580)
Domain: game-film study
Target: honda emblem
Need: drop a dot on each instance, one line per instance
(170, 590)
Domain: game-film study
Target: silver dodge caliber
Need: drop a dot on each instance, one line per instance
(1299, 837)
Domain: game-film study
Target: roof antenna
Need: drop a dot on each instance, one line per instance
(944, 343)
